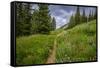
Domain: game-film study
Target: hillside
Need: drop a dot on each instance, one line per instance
(77, 44)
(72, 45)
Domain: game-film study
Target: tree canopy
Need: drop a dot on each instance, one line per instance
(39, 21)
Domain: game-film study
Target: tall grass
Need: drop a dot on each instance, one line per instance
(33, 49)
(57, 31)
(77, 44)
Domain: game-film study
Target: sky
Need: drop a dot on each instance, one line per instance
(62, 13)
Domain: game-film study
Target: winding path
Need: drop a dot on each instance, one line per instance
(52, 55)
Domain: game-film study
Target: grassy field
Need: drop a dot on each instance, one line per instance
(33, 49)
(56, 32)
(77, 44)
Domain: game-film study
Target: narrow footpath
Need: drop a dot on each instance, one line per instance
(52, 55)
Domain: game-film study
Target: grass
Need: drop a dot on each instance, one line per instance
(33, 49)
(77, 44)
(74, 45)
(57, 31)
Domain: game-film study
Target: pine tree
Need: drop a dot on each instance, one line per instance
(19, 18)
(35, 21)
(71, 22)
(84, 18)
(90, 15)
(27, 19)
(53, 24)
(23, 19)
(95, 14)
(44, 19)
(77, 16)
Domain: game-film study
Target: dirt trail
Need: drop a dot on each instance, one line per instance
(52, 55)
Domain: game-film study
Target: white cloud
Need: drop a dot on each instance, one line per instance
(35, 6)
(66, 13)
(63, 18)
(60, 21)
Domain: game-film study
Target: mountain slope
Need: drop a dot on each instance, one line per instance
(71, 45)
(77, 44)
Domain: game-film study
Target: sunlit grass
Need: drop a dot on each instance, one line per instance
(77, 44)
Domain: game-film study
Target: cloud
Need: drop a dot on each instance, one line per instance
(60, 21)
(61, 13)
(35, 6)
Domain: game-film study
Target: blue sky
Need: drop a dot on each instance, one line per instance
(63, 13)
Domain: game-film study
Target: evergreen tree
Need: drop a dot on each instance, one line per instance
(19, 17)
(77, 16)
(27, 19)
(23, 19)
(92, 15)
(84, 18)
(95, 14)
(44, 19)
(89, 16)
(71, 22)
(35, 21)
(53, 24)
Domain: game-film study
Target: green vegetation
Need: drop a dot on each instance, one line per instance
(79, 18)
(36, 35)
(57, 31)
(23, 19)
(33, 21)
(33, 49)
(77, 44)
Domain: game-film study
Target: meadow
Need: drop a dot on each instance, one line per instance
(77, 44)
(73, 45)
(33, 49)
